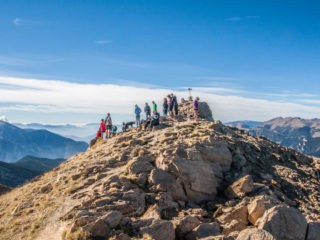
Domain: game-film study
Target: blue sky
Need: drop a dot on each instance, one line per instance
(265, 54)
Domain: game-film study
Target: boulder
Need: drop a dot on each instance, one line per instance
(204, 230)
(112, 218)
(186, 110)
(159, 230)
(164, 181)
(259, 205)
(219, 237)
(233, 218)
(255, 234)
(153, 212)
(136, 166)
(240, 187)
(219, 153)
(313, 231)
(135, 200)
(284, 223)
(185, 225)
(198, 177)
(121, 236)
(97, 228)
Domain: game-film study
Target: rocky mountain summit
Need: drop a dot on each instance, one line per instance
(183, 180)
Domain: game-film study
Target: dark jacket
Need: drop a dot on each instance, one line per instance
(147, 109)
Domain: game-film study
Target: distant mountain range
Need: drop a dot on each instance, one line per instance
(78, 133)
(16, 143)
(14, 174)
(300, 134)
(38, 164)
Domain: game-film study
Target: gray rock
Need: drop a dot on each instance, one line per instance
(204, 230)
(284, 223)
(159, 230)
(97, 228)
(186, 225)
(313, 231)
(240, 187)
(255, 234)
(112, 218)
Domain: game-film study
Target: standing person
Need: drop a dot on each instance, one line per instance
(137, 111)
(154, 106)
(108, 122)
(170, 104)
(102, 128)
(165, 107)
(196, 108)
(174, 104)
(147, 110)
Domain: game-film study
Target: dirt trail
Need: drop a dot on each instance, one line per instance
(54, 227)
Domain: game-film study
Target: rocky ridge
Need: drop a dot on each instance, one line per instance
(183, 180)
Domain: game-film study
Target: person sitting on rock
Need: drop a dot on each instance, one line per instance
(98, 135)
(155, 120)
(196, 109)
(114, 131)
(102, 128)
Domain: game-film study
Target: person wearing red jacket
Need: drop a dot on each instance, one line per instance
(98, 135)
(102, 127)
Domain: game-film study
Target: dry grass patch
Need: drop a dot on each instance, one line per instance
(78, 235)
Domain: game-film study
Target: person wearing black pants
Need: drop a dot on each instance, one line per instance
(155, 120)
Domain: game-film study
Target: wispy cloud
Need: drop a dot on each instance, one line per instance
(312, 101)
(252, 17)
(17, 21)
(28, 22)
(102, 41)
(24, 61)
(234, 19)
(126, 63)
(290, 94)
(34, 95)
(214, 78)
(237, 19)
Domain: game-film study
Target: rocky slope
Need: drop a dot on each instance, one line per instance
(183, 180)
(16, 143)
(302, 135)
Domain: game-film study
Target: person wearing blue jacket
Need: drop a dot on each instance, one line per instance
(137, 111)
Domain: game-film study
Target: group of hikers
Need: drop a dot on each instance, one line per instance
(170, 108)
